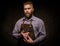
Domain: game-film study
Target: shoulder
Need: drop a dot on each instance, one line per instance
(39, 20)
(19, 21)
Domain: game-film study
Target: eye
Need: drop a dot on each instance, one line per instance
(29, 8)
(24, 8)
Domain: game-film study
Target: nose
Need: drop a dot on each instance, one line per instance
(27, 10)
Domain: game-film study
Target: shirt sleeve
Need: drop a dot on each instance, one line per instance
(42, 33)
(15, 32)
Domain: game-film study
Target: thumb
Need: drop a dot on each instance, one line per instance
(27, 32)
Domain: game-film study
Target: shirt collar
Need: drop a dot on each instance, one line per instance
(33, 18)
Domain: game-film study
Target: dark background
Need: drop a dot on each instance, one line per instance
(12, 10)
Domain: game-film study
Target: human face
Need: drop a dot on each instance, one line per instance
(28, 10)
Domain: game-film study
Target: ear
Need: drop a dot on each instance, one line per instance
(33, 9)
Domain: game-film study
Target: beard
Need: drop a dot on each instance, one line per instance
(28, 16)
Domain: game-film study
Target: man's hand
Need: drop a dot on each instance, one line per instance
(29, 40)
(24, 34)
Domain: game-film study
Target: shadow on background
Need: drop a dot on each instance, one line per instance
(11, 11)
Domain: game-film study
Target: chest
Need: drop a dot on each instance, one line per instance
(34, 23)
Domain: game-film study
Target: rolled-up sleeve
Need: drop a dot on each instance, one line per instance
(42, 33)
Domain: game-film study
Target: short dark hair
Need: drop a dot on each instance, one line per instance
(28, 2)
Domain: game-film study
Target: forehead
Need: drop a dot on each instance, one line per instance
(28, 6)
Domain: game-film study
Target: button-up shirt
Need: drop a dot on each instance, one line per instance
(38, 26)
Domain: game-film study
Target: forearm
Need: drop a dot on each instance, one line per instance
(39, 39)
(42, 32)
(16, 35)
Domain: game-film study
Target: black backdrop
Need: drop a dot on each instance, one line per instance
(11, 11)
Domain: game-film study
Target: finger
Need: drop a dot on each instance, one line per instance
(27, 32)
(24, 39)
(29, 37)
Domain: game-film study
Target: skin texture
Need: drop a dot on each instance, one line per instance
(28, 10)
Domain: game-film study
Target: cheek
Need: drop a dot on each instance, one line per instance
(30, 11)
(27, 11)
(24, 11)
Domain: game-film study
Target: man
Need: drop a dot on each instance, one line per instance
(29, 28)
